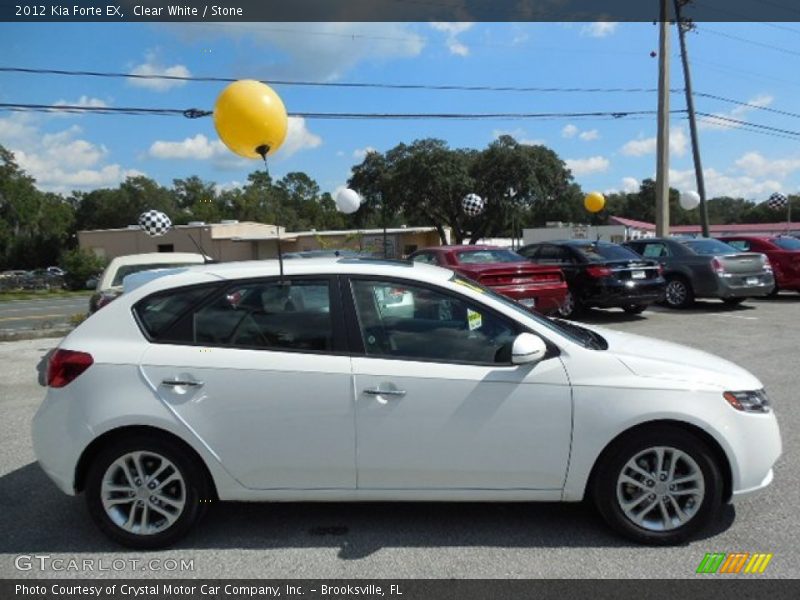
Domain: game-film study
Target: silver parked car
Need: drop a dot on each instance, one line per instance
(707, 268)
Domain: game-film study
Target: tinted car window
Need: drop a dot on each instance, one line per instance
(476, 257)
(528, 251)
(743, 245)
(654, 250)
(268, 315)
(428, 259)
(787, 243)
(707, 247)
(602, 251)
(429, 325)
(158, 312)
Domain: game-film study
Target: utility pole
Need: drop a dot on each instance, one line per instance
(687, 79)
(662, 140)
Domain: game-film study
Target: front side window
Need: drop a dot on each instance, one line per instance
(418, 323)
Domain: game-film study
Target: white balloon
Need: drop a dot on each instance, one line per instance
(689, 200)
(347, 201)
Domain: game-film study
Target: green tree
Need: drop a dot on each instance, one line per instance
(80, 265)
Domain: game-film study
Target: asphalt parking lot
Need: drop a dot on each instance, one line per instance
(428, 540)
(16, 315)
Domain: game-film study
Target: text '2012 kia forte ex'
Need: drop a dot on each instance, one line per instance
(371, 380)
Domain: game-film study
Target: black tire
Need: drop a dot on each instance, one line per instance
(571, 307)
(775, 291)
(733, 301)
(606, 489)
(679, 292)
(635, 309)
(196, 490)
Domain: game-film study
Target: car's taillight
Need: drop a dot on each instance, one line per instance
(66, 365)
(106, 298)
(717, 266)
(597, 271)
(767, 265)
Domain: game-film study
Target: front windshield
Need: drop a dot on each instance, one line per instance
(488, 255)
(708, 247)
(602, 251)
(576, 333)
(787, 243)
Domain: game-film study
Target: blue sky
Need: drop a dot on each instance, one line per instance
(66, 152)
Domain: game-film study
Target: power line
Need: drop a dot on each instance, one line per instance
(749, 41)
(333, 84)
(750, 129)
(748, 105)
(196, 113)
(739, 122)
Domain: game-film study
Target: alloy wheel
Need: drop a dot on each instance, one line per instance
(143, 492)
(660, 488)
(676, 293)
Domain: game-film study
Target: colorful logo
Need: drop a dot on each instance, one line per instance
(737, 562)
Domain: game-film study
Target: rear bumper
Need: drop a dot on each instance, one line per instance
(737, 286)
(548, 298)
(607, 295)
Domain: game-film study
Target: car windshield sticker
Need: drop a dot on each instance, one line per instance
(474, 319)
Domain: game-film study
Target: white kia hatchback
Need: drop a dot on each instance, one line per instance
(229, 382)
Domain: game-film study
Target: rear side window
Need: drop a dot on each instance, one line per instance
(158, 312)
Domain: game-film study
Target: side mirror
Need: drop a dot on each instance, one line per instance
(527, 349)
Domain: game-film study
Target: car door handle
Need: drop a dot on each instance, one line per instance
(181, 382)
(379, 392)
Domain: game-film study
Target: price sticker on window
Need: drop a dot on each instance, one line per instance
(474, 319)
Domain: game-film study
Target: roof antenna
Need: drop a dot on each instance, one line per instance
(206, 257)
(263, 150)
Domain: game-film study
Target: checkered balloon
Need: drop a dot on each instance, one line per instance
(777, 201)
(154, 223)
(473, 205)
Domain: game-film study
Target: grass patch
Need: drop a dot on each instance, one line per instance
(43, 294)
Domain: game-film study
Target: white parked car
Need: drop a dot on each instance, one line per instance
(226, 382)
(110, 284)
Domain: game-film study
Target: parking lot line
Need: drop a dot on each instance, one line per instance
(32, 317)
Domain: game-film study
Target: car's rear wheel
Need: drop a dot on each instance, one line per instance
(145, 492)
(635, 309)
(571, 306)
(658, 486)
(679, 293)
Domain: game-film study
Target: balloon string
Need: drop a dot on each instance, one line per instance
(263, 150)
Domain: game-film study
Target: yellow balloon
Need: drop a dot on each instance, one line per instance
(250, 118)
(594, 202)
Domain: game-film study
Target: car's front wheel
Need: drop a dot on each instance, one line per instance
(634, 309)
(145, 492)
(659, 486)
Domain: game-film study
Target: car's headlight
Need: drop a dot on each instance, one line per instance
(753, 401)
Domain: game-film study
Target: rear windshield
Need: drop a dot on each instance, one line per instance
(602, 251)
(477, 257)
(126, 270)
(710, 247)
(787, 243)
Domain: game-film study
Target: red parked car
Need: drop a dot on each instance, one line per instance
(783, 252)
(535, 286)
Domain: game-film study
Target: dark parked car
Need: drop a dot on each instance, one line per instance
(707, 268)
(600, 274)
(783, 252)
(537, 287)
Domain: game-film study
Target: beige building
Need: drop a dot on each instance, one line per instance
(234, 240)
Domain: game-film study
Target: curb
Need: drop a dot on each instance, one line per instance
(10, 335)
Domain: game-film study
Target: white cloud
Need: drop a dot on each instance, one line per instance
(361, 153)
(599, 29)
(719, 184)
(756, 165)
(453, 30)
(678, 144)
(152, 67)
(590, 135)
(738, 114)
(199, 147)
(298, 138)
(518, 134)
(61, 161)
(569, 131)
(586, 166)
(307, 50)
(630, 184)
